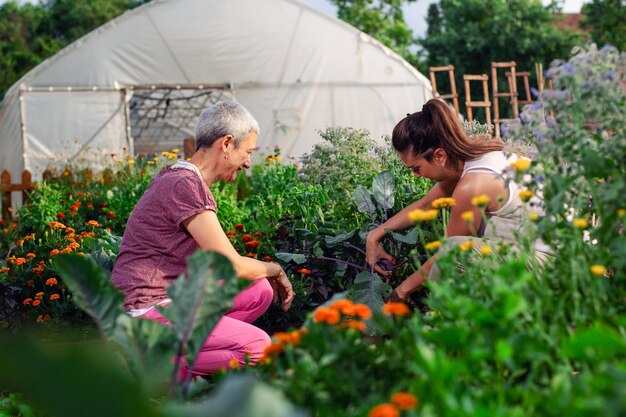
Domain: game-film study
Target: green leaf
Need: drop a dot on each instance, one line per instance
(71, 380)
(92, 290)
(341, 237)
(239, 396)
(291, 257)
(410, 238)
(200, 301)
(369, 289)
(383, 189)
(363, 199)
(597, 343)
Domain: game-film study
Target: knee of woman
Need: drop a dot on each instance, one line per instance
(256, 347)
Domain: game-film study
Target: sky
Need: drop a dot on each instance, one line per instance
(415, 13)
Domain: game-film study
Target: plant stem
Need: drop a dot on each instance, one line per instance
(343, 262)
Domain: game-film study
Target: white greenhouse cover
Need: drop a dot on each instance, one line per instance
(296, 69)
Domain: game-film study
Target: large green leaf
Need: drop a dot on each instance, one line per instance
(410, 238)
(71, 380)
(199, 301)
(291, 257)
(369, 289)
(92, 290)
(239, 396)
(383, 190)
(341, 237)
(363, 199)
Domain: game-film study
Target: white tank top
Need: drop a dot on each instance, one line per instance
(506, 222)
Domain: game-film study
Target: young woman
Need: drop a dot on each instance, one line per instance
(176, 216)
(432, 143)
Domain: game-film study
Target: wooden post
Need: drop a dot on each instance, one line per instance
(511, 94)
(189, 147)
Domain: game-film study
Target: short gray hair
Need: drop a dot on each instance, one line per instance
(221, 119)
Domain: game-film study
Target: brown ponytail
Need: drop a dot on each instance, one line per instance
(437, 126)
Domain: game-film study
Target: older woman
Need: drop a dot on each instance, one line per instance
(177, 215)
(433, 145)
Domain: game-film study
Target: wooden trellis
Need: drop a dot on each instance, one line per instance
(453, 94)
(6, 188)
(496, 94)
(485, 103)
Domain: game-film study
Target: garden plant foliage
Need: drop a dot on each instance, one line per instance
(505, 336)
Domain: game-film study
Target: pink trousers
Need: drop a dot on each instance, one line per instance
(233, 337)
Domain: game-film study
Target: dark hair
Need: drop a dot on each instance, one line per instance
(437, 126)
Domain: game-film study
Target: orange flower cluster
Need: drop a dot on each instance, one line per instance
(252, 244)
(396, 309)
(283, 339)
(51, 281)
(304, 271)
(351, 312)
(399, 401)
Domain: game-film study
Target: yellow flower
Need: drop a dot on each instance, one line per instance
(521, 165)
(404, 400)
(422, 215)
(481, 200)
(468, 216)
(433, 246)
(465, 246)
(150, 162)
(580, 223)
(233, 363)
(443, 202)
(597, 270)
(175, 150)
(621, 212)
(485, 250)
(131, 161)
(533, 216)
(526, 195)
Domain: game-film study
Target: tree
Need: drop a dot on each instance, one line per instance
(383, 20)
(470, 34)
(606, 20)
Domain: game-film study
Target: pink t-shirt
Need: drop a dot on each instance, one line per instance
(155, 245)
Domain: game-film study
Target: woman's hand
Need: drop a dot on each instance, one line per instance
(282, 289)
(375, 254)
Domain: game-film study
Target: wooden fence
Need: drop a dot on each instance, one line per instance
(6, 188)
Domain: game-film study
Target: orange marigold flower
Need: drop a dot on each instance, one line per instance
(46, 317)
(36, 302)
(54, 252)
(29, 237)
(233, 363)
(231, 233)
(239, 227)
(20, 261)
(257, 235)
(253, 244)
(362, 311)
(39, 294)
(11, 259)
(272, 350)
(60, 215)
(304, 271)
(384, 410)
(93, 223)
(404, 400)
(20, 242)
(396, 309)
(4, 270)
(30, 283)
(57, 225)
(31, 255)
(54, 297)
(326, 315)
(251, 255)
(111, 214)
(443, 202)
(66, 250)
(267, 259)
(27, 301)
(246, 238)
(73, 245)
(69, 230)
(51, 281)
(40, 318)
(341, 305)
(353, 324)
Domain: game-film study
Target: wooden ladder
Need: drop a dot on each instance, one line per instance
(524, 75)
(511, 94)
(453, 95)
(485, 103)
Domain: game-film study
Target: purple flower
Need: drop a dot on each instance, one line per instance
(534, 92)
